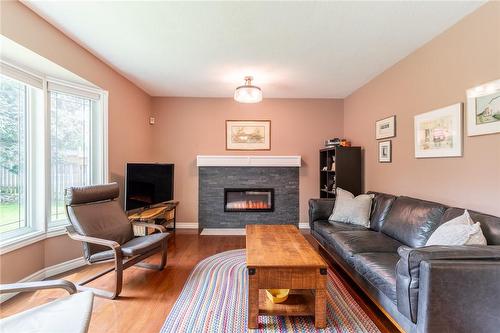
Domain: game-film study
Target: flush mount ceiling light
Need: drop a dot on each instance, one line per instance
(248, 93)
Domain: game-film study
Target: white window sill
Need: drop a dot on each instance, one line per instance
(56, 231)
(16, 243)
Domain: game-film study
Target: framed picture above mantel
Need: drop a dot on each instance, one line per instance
(248, 135)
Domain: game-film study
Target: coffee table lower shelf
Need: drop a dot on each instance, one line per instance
(299, 303)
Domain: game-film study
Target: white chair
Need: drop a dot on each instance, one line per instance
(68, 314)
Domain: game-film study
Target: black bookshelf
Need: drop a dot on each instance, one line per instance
(343, 169)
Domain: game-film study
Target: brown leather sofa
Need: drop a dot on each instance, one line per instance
(423, 289)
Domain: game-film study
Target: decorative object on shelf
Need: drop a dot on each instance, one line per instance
(325, 168)
(345, 143)
(331, 184)
(332, 142)
(438, 133)
(483, 109)
(332, 168)
(277, 295)
(248, 135)
(385, 151)
(248, 93)
(385, 128)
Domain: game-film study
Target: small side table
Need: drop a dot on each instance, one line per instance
(164, 215)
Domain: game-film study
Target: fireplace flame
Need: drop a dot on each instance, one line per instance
(248, 204)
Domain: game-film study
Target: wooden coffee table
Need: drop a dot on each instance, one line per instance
(279, 257)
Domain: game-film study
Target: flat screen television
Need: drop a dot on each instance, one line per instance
(148, 184)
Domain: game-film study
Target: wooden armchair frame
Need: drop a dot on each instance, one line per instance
(20, 287)
(120, 263)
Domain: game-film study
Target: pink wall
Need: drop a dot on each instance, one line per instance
(436, 75)
(186, 127)
(129, 131)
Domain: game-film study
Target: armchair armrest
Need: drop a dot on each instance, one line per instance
(158, 227)
(38, 285)
(408, 269)
(320, 209)
(94, 240)
(115, 246)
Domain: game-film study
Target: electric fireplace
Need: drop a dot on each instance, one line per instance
(248, 200)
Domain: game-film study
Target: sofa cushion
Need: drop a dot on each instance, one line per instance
(380, 270)
(351, 209)
(412, 221)
(349, 243)
(490, 225)
(326, 228)
(458, 231)
(381, 205)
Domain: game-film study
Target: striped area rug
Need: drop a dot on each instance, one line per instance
(214, 299)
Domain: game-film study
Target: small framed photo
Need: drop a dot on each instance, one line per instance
(385, 128)
(483, 109)
(248, 135)
(385, 151)
(438, 133)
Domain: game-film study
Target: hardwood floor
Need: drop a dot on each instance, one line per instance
(147, 295)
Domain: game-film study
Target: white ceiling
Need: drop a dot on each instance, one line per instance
(293, 49)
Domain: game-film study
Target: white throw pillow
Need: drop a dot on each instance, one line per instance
(459, 231)
(350, 209)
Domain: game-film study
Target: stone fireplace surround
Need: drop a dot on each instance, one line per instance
(219, 172)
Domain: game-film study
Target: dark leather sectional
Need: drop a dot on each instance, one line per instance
(424, 289)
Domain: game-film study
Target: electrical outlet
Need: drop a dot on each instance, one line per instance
(151, 120)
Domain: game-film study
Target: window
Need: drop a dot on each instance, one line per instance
(75, 144)
(13, 125)
(70, 147)
(46, 145)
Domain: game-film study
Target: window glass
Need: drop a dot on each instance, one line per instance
(13, 161)
(70, 143)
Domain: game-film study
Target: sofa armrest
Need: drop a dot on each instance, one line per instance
(459, 296)
(408, 269)
(320, 209)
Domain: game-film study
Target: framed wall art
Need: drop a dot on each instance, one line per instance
(438, 133)
(483, 109)
(248, 135)
(385, 128)
(385, 151)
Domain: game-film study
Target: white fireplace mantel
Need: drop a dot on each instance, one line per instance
(248, 161)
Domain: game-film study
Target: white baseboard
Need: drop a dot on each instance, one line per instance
(194, 225)
(48, 272)
(303, 225)
(186, 225)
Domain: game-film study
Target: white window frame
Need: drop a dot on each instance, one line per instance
(40, 184)
(54, 84)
